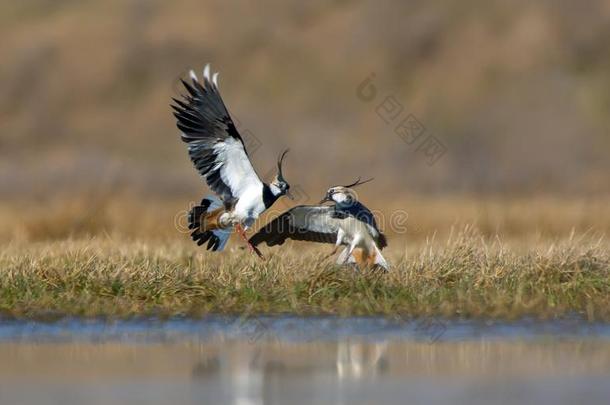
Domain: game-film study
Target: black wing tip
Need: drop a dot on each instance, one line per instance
(200, 111)
(207, 84)
(269, 239)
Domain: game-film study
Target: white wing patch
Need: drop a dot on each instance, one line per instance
(315, 219)
(236, 171)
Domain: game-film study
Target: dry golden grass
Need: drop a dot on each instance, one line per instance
(466, 276)
(126, 256)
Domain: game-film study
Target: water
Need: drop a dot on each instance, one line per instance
(319, 360)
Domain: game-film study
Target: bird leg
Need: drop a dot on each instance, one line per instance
(251, 247)
(351, 250)
(340, 235)
(349, 253)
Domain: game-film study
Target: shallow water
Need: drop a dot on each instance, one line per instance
(279, 360)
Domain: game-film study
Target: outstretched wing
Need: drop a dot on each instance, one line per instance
(215, 147)
(304, 222)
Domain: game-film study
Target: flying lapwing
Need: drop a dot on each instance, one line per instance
(219, 154)
(347, 222)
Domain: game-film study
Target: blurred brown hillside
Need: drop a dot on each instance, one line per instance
(517, 91)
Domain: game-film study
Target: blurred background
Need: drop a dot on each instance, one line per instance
(488, 113)
(515, 96)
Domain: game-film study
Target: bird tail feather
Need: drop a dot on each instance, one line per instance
(203, 221)
(358, 257)
(379, 259)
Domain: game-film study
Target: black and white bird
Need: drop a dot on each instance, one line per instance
(219, 154)
(347, 222)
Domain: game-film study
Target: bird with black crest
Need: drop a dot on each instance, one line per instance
(346, 222)
(219, 154)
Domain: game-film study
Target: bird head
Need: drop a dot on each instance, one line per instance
(343, 195)
(279, 186)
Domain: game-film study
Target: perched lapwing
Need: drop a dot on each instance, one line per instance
(348, 222)
(218, 152)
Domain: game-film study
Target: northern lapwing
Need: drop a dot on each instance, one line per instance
(347, 222)
(219, 154)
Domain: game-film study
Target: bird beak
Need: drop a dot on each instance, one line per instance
(325, 199)
(289, 195)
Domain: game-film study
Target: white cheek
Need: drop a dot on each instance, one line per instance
(339, 197)
(275, 190)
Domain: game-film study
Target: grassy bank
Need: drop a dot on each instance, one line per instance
(467, 276)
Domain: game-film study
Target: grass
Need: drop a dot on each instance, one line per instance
(123, 257)
(467, 276)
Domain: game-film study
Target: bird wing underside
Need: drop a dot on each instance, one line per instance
(215, 146)
(303, 223)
